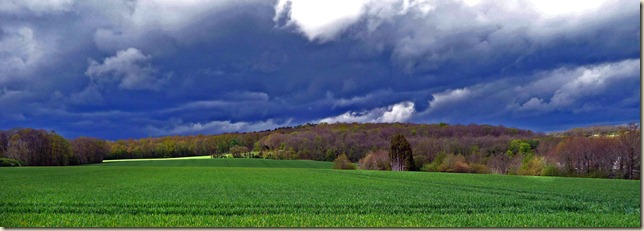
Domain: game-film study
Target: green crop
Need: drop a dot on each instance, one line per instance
(204, 194)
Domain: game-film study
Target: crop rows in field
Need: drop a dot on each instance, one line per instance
(227, 209)
(267, 197)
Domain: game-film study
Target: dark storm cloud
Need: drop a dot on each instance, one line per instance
(118, 69)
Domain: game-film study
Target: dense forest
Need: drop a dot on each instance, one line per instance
(609, 151)
(41, 148)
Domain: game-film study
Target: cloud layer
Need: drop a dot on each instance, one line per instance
(119, 69)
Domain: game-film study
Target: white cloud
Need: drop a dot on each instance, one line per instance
(130, 68)
(133, 24)
(573, 89)
(448, 98)
(321, 20)
(37, 7)
(423, 34)
(400, 112)
(324, 20)
(350, 117)
(575, 84)
(533, 104)
(555, 8)
(19, 51)
(471, 3)
(215, 127)
(453, 32)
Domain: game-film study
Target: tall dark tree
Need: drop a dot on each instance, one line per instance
(400, 154)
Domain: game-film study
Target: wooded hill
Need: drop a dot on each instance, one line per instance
(436, 147)
(327, 141)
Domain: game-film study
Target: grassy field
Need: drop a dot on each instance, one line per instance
(185, 193)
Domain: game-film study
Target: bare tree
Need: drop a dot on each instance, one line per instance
(629, 147)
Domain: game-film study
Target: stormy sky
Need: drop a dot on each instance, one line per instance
(118, 69)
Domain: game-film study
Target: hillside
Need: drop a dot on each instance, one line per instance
(326, 141)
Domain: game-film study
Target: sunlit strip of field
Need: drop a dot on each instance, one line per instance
(174, 158)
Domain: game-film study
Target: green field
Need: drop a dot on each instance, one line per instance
(271, 193)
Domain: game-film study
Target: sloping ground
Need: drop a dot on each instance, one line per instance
(218, 162)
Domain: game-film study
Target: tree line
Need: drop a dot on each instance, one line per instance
(613, 155)
(46, 148)
(617, 155)
(611, 152)
(325, 142)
